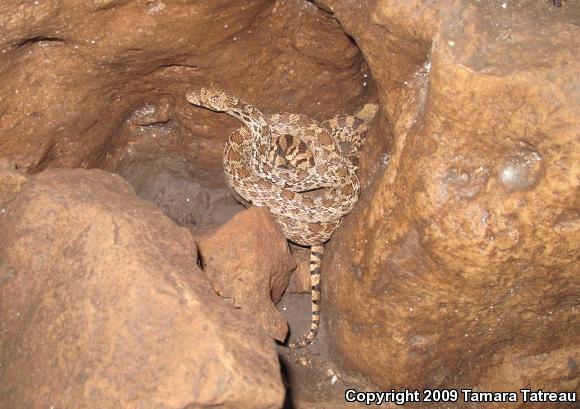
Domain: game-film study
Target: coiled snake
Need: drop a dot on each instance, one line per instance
(296, 167)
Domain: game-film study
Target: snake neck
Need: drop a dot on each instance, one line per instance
(255, 121)
(259, 130)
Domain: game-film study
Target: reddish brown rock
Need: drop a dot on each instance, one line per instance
(248, 262)
(114, 77)
(300, 280)
(104, 306)
(460, 265)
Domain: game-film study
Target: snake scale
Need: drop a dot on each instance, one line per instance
(296, 167)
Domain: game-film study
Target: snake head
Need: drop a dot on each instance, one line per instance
(212, 99)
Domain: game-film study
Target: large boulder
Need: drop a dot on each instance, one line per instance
(460, 265)
(102, 305)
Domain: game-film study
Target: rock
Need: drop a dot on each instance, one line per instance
(556, 369)
(300, 280)
(196, 198)
(113, 79)
(459, 267)
(248, 262)
(107, 307)
(11, 182)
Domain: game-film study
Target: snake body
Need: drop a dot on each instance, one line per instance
(295, 166)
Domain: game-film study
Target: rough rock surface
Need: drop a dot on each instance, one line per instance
(300, 280)
(114, 75)
(460, 265)
(248, 262)
(102, 305)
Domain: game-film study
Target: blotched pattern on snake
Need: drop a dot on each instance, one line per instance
(296, 167)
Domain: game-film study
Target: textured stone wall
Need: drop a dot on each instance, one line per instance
(79, 81)
(460, 264)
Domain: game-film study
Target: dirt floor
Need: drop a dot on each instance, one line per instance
(313, 381)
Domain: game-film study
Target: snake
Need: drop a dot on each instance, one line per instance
(295, 166)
